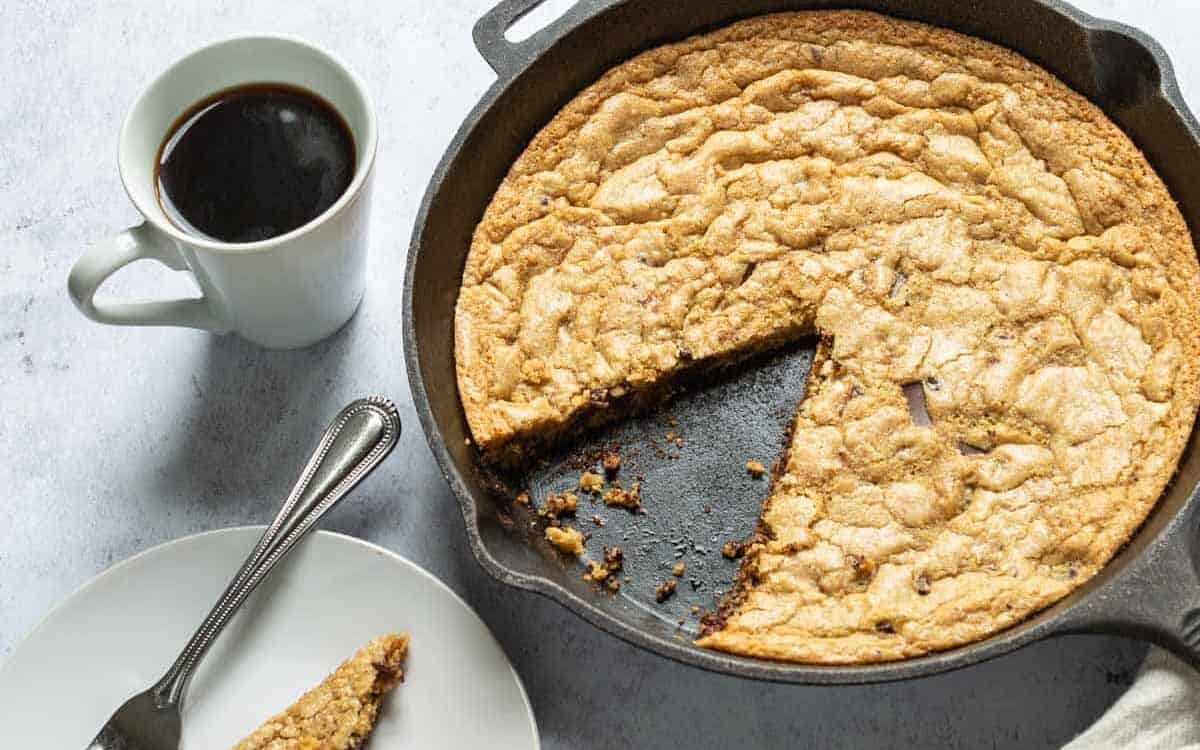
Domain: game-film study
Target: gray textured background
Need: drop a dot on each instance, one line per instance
(113, 440)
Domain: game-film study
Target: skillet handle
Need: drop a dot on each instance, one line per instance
(1156, 598)
(508, 58)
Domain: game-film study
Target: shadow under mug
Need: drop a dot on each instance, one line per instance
(287, 291)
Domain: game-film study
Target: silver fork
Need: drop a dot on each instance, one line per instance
(355, 442)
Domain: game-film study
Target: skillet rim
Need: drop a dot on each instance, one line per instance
(1156, 549)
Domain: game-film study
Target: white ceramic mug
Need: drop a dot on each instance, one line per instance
(287, 291)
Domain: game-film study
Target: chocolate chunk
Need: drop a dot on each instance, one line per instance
(664, 590)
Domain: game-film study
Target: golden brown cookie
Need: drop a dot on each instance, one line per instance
(340, 713)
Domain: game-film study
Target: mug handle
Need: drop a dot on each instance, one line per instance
(107, 257)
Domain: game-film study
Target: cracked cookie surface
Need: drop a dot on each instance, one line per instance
(953, 220)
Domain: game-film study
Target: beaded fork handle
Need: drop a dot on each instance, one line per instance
(355, 442)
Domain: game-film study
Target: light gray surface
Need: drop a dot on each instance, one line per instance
(113, 440)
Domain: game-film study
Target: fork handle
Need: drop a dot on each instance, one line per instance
(355, 442)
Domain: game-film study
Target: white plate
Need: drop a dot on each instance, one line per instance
(118, 633)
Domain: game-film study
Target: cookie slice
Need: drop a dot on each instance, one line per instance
(340, 713)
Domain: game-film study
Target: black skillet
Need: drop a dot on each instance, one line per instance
(698, 493)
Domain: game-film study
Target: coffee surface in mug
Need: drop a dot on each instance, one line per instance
(254, 162)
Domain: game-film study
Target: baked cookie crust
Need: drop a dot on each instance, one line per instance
(959, 226)
(339, 713)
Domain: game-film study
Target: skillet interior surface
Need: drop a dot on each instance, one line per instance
(690, 454)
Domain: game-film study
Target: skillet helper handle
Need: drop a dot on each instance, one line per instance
(357, 440)
(109, 256)
(508, 58)
(1156, 599)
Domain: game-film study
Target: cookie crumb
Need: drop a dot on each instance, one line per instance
(522, 499)
(598, 520)
(631, 498)
(590, 481)
(606, 572)
(733, 550)
(611, 463)
(677, 569)
(566, 540)
(597, 572)
(755, 468)
(557, 505)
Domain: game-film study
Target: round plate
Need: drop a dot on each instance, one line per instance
(117, 634)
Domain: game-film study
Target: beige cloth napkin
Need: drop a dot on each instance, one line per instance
(1160, 711)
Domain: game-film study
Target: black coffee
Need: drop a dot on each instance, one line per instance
(254, 162)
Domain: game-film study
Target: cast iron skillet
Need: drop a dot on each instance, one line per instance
(1150, 590)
